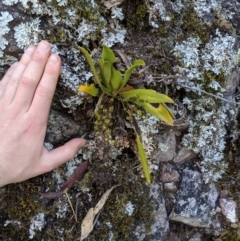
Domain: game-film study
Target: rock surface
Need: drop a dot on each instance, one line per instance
(229, 209)
(192, 52)
(195, 201)
(160, 229)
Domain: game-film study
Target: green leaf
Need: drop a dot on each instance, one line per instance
(105, 72)
(90, 61)
(116, 80)
(100, 64)
(128, 72)
(106, 90)
(90, 89)
(108, 55)
(161, 112)
(95, 74)
(146, 95)
(143, 159)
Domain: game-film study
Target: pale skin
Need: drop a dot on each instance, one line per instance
(26, 93)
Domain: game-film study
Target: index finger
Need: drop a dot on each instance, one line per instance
(42, 99)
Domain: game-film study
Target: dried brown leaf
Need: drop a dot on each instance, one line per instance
(113, 3)
(77, 175)
(87, 223)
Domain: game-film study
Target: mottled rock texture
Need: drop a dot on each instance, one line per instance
(192, 53)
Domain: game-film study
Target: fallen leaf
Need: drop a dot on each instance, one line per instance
(87, 223)
(113, 3)
(124, 58)
(77, 175)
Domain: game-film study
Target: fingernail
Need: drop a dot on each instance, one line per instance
(54, 59)
(43, 45)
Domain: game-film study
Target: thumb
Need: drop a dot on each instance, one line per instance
(62, 154)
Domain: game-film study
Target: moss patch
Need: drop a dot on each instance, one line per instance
(19, 202)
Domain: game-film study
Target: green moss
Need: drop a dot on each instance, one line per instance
(23, 201)
(19, 202)
(232, 235)
(132, 189)
(192, 26)
(136, 14)
(208, 77)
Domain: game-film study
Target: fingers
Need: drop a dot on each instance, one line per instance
(32, 75)
(6, 78)
(12, 82)
(60, 155)
(45, 90)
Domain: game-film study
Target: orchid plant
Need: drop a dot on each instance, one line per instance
(111, 82)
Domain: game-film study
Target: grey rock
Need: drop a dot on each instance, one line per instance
(167, 146)
(184, 154)
(229, 209)
(160, 227)
(61, 128)
(168, 173)
(173, 237)
(170, 186)
(195, 201)
(196, 237)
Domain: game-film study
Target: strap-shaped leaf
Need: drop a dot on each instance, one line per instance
(94, 71)
(161, 112)
(105, 72)
(106, 90)
(116, 80)
(90, 61)
(143, 159)
(146, 95)
(108, 55)
(128, 72)
(90, 89)
(100, 64)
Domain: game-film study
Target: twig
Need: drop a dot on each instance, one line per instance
(210, 94)
(174, 78)
(70, 203)
(99, 102)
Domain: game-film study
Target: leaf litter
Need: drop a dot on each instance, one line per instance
(88, 221)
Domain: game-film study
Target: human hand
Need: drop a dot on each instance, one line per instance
(26, 92)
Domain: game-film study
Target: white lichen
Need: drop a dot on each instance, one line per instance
(27, 33)
(62, 2)
(148, 127)
(219, 53)
(117, 13)
(14, 222)
(9, 2)
(72, 80)
(5, 18)
(37, 224)
(117, 35)
(129, 209)
(72, 165)
(158, 11)
(62, 208)
(203, 7)
(85, 30)
(207, 130)
(72, 102)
